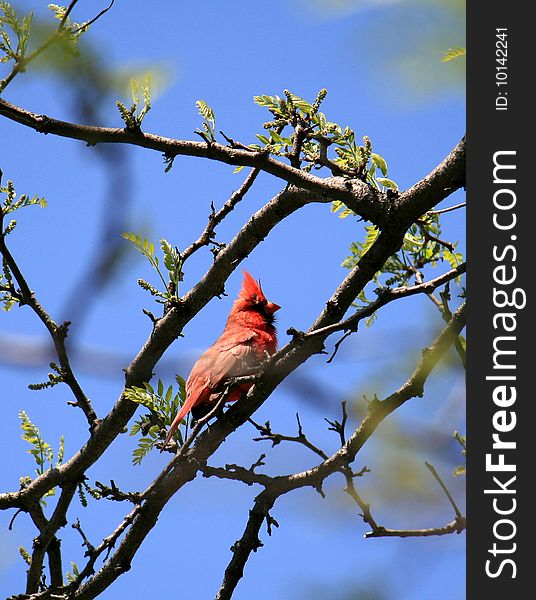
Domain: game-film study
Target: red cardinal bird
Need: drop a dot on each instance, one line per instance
(249, 335)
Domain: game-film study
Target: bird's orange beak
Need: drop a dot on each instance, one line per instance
(272, 308)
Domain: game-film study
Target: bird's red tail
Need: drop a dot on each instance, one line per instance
(185, 409)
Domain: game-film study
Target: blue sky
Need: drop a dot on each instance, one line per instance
(225, 53)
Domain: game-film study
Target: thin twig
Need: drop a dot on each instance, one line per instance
(215, 218)
(446, 210)
(432, 470)
(433, 238)
(452, 527)
(385, 296)
(277, 438)
(85, 25)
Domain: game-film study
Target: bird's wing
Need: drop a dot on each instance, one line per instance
(234, 357)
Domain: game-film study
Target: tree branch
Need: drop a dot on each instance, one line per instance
(58, 333)
(276, 438)
(361, 198)
(456, 526)
(248, 543)
(215, 218)
(47, 542)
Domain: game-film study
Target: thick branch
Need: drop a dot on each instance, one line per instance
(47, 542)
(249, 542)
(440, 183)
(361, 198)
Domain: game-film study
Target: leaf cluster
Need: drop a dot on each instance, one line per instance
(53, 379)
(163, 404)
(209, 124)
(422, 247)
(9, 295)
(43, 453)
(312, 134)
(11, 203)
(172, 262)
(73, 575)
(69, 32)
(133, 116)
(14, 34)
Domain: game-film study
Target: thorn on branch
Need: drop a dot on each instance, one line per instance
(236, 145)
(42, 124)
(270, 521)
(204, 136)
(63, 329)
(383, 292)
(85, 542)
(318, 488)
(373, 404)
(297, 335)
(361, 472)
(148, 313)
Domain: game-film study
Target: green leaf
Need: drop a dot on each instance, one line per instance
(25, 555)
(277, 138)
(11, 203)
(163, 405)
(133, 116)
(41, 451)
(205, 111)
(72, 576)
(379, 162)
(453, 258)
(388, 183)
(145, 445)
(173, 263)
(453, 53)
(272, 102)
(210, 121)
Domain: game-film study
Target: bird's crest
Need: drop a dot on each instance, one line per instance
(250, 287)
